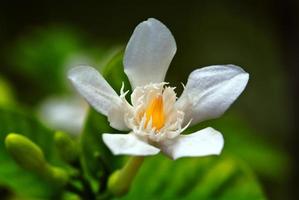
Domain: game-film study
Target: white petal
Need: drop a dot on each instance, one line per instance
(201, 143)
(149, 53)
(116, 117)
(128, 144)
(210, 91)
(95, 89)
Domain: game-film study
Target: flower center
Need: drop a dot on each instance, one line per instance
(155, 112)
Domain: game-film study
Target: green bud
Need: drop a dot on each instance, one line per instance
(66, 147)
(27, 154)
(6, 94)
(70, 196)
(30, 157)
(56, 175)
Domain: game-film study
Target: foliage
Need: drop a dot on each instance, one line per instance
(11, 175)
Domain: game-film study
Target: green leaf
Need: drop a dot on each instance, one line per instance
(195, 178)
(253, 147)
(11, 175)
(114, 71)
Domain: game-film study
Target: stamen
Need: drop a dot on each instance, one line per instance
(155, 113)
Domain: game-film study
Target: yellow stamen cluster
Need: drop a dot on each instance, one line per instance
(155, 112)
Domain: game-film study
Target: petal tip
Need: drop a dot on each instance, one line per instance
(240, 69)
(205, 142)
(75, 71)
(218, 140)
(148, 53)
(154, 21)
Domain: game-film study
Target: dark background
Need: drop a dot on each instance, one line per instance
(260, 36)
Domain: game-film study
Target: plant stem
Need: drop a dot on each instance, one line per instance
(105, 172)
(131, 168)
(86, 185)
(87, 192)
(121, 180)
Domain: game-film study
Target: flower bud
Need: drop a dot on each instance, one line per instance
(27, 154)
(30, 157)
(56, 175)
(66, 147)
(6, 94)
(70, 196)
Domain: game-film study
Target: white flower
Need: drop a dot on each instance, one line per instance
(156, 117)
(64, 113)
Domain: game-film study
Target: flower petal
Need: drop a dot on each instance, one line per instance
(95, 89)
(149, 53)
(128, 144)
(210, 91)
(201, 143)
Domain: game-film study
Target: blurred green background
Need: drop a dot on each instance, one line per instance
(40, 40)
